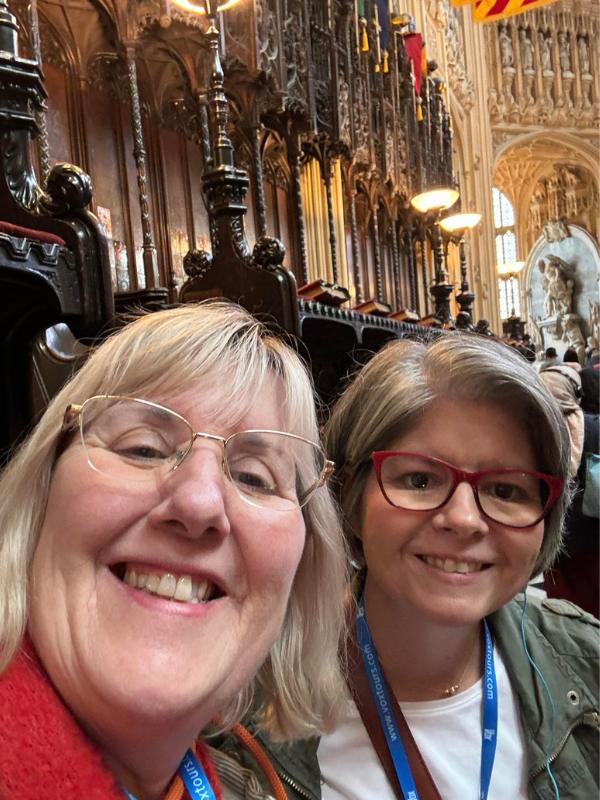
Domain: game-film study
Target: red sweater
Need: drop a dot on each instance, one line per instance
(43, 751)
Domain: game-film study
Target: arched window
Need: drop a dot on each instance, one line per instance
(506, 253)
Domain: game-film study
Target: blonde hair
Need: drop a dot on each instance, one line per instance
(300, 683)
(390, 395)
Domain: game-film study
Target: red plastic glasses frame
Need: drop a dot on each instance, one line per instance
(554, 484)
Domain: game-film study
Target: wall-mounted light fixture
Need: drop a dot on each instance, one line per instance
(209, 7)
(458, 224)
(430, 204)
(454, 229)
(434, 200)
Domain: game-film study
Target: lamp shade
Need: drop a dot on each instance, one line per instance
(510, 269)
(209, 6)
(434, 200)
(460, 223)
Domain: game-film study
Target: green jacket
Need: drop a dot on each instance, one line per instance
(562, 640)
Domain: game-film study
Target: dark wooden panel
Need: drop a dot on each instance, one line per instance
(177, 225)
(271, 208)
(284, 215)
(110, 194)
(195, 167)
(57, 120)
(250, 219)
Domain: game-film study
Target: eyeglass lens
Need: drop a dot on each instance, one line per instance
(135, 440)
(417, 484)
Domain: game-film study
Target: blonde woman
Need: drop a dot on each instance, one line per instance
(166, 543)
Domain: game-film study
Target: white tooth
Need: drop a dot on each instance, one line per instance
(141, 580)
(152, 583)
(167, 585)
(439, 563)
(201, 590)
(183, 591)
(130, 577)
(463, 567)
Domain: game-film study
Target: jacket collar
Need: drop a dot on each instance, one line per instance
(569, 691)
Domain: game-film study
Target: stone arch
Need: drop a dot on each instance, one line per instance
(548, 176)
(586, 150)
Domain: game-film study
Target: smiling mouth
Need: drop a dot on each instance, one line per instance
(180, 588)
(450, 565)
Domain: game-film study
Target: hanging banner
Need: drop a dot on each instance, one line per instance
(490, 10)
(381, 23)
(415, 50)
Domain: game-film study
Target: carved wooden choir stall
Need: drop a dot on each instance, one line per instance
(334, 101)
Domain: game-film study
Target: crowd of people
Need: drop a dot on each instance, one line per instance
(200, 599)
(575, 573)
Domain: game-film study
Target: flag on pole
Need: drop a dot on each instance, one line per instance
(363, 37)
(417, 55)
(382, 16)
(415, 50)
(490, 10)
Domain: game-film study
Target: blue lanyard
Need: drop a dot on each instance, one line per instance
(383, 703)
(489, 727)
(194, 779)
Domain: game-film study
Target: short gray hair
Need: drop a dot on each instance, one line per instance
(390, 394)
(300, 682)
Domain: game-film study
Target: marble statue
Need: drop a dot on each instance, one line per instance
(506, 48)
(572, 335)
(526, 50)
(538, 201)
(569, 181)
(584, 55)
(564, 52)
(555, 230)
(557, 283)
(593, 340)
(545, 52)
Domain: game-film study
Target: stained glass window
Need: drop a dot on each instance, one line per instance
(508, 290)
(506, 253)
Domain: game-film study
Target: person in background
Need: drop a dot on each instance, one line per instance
(453, 461)
(528, 348)
(571, 359)
(590, 386)
(550, 358)
(167, 544)
(575, 575)
(565, 386)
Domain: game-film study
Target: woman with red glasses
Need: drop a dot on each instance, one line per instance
(452, 460)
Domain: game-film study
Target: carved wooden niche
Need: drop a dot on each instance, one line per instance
(277, 181)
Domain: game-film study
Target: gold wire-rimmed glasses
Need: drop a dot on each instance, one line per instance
(137, 440)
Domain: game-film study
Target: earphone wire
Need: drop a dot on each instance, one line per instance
(538, 672)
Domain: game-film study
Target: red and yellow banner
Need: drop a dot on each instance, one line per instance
(489, 10)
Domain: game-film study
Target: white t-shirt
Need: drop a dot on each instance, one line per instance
(448, 734)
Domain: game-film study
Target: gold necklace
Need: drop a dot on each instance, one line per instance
(453, 689)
